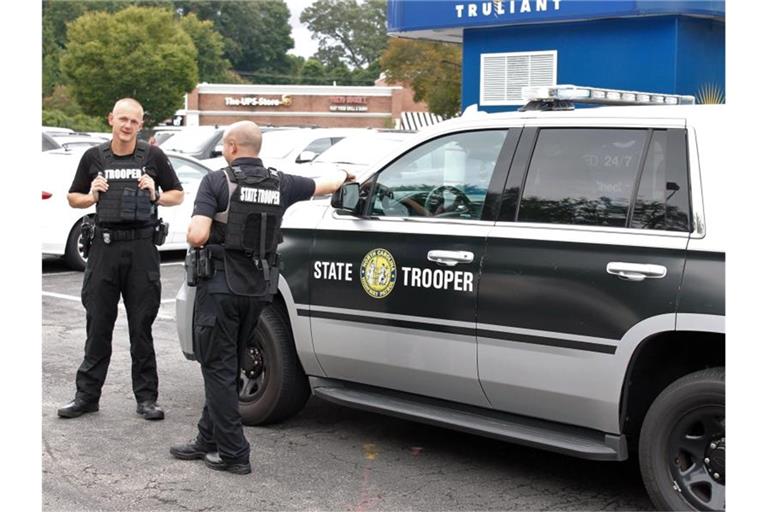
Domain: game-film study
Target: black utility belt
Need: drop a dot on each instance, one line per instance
(109, 235)
(157, 233)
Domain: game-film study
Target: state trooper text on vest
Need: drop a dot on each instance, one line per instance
(260, 195)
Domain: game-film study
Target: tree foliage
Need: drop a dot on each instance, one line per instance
(432, 70)
(312, 73)
(257, 34)
(61, 109)
(348, 32)
(139, 52)
(211, 65)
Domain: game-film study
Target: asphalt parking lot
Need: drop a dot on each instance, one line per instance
(326, 458)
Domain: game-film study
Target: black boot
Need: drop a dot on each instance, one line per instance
(213, 461)
(150, 410)
(77, 407)
(192, 450)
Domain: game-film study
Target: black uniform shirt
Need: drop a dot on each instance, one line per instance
(90, 165)
(213, 197)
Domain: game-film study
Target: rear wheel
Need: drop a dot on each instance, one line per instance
(272, 386)
(73, 251)
(682, 444)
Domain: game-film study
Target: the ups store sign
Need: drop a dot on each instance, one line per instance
(299, 105)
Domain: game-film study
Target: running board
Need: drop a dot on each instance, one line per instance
(567, 439)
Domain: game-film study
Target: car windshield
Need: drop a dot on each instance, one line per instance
(189, 140)
(361, 149)
(278, 143)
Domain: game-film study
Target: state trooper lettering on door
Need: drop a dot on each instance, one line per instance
(413, 277)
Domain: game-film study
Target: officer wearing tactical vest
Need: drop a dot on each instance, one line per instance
(234, 233)
(121, 177)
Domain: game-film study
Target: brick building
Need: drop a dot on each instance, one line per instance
(379, 106)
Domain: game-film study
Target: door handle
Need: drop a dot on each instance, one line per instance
(450, 258)
(636, 271)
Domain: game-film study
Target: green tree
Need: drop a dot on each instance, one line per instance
(348, 32)
(313, 73)
(61, 109)
(212, 66)
(257, 34)
(139, 52)
(432, 70)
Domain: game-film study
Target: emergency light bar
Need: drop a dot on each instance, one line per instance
(563, 96)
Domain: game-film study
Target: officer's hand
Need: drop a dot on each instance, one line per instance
(99, 184)
(147, 183)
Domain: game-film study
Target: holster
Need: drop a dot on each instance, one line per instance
(87, 232)
(198, 264)
(161, 232)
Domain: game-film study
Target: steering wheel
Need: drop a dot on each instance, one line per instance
(435, 201)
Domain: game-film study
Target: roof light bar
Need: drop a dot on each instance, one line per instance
(602, 96)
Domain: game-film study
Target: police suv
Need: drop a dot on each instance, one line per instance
(550, 277)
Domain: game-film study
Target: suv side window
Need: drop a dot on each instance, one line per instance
(662, 197)
(446, 177)
(582, 176)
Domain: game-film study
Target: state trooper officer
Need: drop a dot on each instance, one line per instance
(236, 221)
(121, 177)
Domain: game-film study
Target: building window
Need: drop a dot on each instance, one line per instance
(503, 75)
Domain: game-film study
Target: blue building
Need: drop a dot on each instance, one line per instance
(666, 46)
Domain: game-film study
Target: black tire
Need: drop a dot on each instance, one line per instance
(682, 444)
(73, 255)
(273, 385)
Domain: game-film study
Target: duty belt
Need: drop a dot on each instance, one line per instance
(121, 235)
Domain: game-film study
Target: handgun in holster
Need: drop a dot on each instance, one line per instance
(198, 265)
(161, 232)
(87, 232)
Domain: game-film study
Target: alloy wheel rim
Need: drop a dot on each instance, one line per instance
(696, 451)
(253, 375)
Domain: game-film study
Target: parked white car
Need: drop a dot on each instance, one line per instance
(356, 153)
(290, 150)
(60, 230)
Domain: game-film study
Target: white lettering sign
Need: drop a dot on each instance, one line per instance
(438, 279)
(256, 101)
(496, 8)
(333, 270)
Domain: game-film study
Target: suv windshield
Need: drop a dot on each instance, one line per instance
(362, 149)
(190, 140)
(278, 143)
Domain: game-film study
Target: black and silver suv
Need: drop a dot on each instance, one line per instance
(554, 279)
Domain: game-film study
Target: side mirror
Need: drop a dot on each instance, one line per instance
(306, 156)
(347, 197)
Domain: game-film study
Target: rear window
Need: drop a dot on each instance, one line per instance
(608, 177)
(582, 176)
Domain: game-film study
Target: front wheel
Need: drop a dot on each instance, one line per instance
(682, 444)
(272, 386)
(73, 251)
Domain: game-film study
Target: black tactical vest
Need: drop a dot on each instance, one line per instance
(124, 202)
(249, 231)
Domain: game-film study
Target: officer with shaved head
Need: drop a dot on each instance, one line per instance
(127, 180)
(236, 227)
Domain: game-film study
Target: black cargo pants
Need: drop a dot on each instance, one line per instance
(223, 325)
(130, 268)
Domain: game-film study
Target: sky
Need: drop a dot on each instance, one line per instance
(303, 45)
